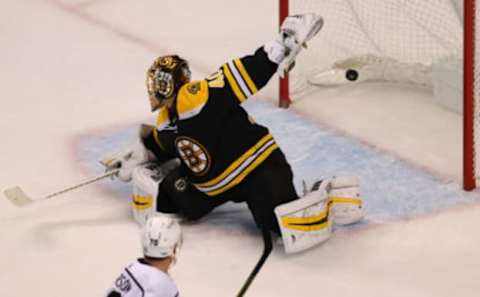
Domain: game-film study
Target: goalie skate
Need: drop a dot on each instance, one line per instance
(296, 31)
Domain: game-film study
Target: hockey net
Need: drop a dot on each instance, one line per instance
(416, 42)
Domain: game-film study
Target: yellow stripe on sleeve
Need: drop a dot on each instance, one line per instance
(233, 83)
(246, 77)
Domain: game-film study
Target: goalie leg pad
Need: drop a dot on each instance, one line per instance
(305, 222)
(346, 203)
(146, 180)
(145, 191)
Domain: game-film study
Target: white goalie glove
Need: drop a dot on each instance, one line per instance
(295, 32)
(127, 159)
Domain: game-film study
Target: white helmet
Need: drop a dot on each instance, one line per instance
(161, 236)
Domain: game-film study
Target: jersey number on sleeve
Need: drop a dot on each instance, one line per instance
(216, 80)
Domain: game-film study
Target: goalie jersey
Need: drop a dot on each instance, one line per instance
(217, 141)
(142, 280)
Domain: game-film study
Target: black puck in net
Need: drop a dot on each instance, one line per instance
(351, 75)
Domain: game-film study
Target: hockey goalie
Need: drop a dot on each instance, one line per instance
(205, 150)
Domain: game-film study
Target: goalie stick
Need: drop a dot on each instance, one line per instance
(19, 198)
(267, 249)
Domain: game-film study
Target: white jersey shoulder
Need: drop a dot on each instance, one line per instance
(142, 280)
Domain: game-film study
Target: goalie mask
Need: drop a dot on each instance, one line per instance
(164, 78)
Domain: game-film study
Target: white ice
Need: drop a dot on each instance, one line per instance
(72, 73)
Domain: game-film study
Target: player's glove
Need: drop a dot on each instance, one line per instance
(127, 159)
(295, 32)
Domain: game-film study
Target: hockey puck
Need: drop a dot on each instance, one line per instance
(351, 75)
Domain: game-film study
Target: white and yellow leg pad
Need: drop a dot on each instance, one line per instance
(346, 203)
(305, 222)
(146, 180)
(145, 191)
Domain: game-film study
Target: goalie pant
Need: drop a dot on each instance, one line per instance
(268, 186)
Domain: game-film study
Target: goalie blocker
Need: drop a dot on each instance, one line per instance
(307, 222)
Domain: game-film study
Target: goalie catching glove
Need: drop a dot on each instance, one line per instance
(295, 32)
(127, 160)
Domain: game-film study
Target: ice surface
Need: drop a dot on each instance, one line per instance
(392, 188)
(73, 85)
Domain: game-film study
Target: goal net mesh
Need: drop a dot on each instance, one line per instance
(381, 35)
(407, 41)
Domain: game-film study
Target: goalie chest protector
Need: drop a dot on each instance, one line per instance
(213, 135)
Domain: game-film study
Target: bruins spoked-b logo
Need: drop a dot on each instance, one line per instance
(193, 154)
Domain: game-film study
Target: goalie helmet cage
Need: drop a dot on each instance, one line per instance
(442, 26)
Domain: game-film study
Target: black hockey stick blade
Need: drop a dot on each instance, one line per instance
(267, 241)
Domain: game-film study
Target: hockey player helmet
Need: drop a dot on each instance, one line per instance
(161, 236)
(165, 77)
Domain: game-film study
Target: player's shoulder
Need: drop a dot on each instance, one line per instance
(131, 282)
(154, 280)
(164, 284)
(191, 98)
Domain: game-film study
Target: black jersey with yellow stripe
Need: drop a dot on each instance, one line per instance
(213, 135)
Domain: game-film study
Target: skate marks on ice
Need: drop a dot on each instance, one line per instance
(392, 188)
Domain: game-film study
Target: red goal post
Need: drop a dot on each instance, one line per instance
(284, 87)
(469, 69)
(443, 20)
